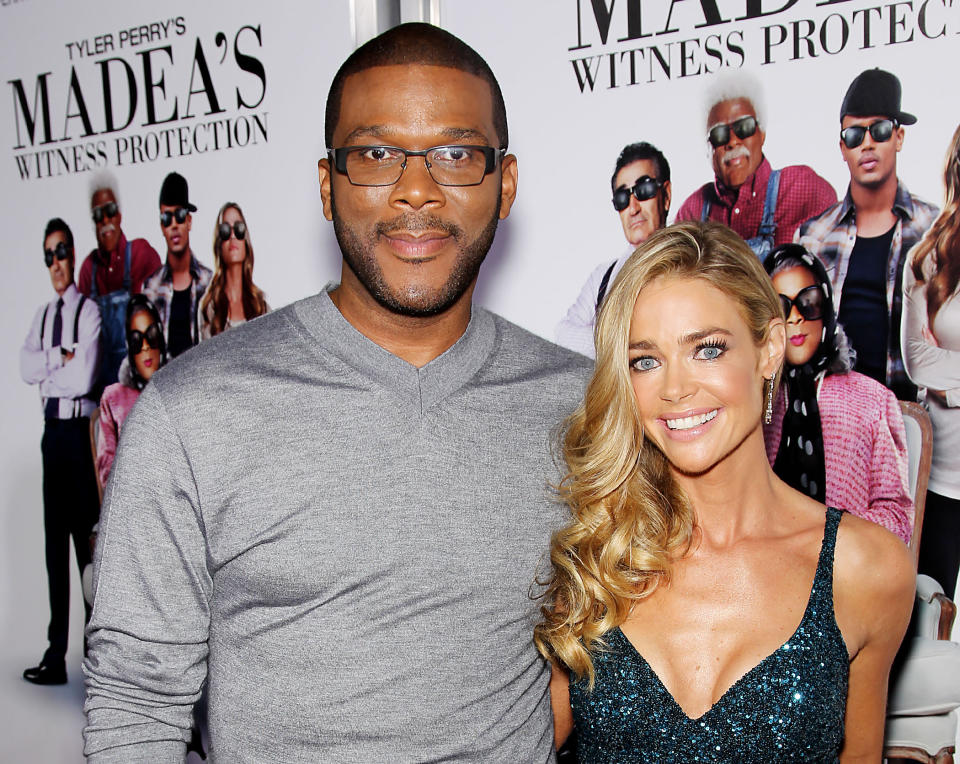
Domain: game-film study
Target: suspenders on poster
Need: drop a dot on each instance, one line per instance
(76, 337)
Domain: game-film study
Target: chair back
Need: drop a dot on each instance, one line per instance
(94, 437)
(916, 422)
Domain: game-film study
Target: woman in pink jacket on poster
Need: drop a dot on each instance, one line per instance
(146, 352)
(835, 435)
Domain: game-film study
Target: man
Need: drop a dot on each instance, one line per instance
(864, 239)
(333, 515)
(112, 272)
(179, 285)
(762, 205)
(641, 197)
(61, 356)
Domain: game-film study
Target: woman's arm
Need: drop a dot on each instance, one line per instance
(926, 364)
(890, 501)
(560, 703)
(874, 589)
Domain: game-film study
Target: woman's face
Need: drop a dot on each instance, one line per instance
(803, 335)
(147, 361)
(697, 374)
(233, 250)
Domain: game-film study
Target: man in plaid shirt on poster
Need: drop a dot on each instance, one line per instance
(761, 204)
(864, 239)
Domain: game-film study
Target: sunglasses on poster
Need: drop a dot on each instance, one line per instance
(744, 127)
(108, 210)
(167, 218)
(153, 335)
(60, 252)
(238, 228)
(881, 131)
(645, 188)
(809, 302)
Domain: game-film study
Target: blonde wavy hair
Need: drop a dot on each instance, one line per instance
(942, 239)
(630, 519)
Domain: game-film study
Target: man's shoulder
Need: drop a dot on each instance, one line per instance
(521, 351)
(694, 203)
(924, 212)
(819, 225)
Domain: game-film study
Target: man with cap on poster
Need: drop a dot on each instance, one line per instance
(863, 240)
(111, 273)
(180, 283)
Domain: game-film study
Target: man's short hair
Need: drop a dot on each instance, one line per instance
(729, 87)
(59, 224)
(417, 44)
(104, 181)
(636, 152)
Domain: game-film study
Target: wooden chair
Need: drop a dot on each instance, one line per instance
(922, 721)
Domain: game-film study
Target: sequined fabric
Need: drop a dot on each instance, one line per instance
(789, 707)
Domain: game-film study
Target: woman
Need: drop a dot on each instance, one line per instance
(680, 581)
(146, 352)
(931, 355)
(232, 297)
(836, 435)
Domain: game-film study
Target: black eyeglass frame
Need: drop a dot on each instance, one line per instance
(816, 311)
(225, 229)
(61, 252)
(108, 210)
(179, 214)
(853, 136)
(743, 128)
(492, 157)
(640, 190)
(135, 338)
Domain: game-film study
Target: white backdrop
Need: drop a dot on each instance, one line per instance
(565, 136)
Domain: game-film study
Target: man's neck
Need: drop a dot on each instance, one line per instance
(180, 268)
(105, 254)
(416, 340)
(874, 206)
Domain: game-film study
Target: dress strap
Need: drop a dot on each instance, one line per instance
(823, 579)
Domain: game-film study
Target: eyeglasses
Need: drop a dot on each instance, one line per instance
(881, 131)
(744, 127)
(645, 188)
(153, 335)
(238, 228)
(447, 165)
(809, 302)
(180, 213)
(108, 210)
(60, 252)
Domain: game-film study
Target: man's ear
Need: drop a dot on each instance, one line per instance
(324, 172)
(508, 184)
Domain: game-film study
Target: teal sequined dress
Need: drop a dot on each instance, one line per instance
(789, 707)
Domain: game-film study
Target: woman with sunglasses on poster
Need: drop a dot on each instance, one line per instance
(700, 609)
(931, 355)
(232, 297)
(146, 352)
(835, 435)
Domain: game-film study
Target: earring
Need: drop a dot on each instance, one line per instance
(768, 409)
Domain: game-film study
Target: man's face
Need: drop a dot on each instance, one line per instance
(738, 158)
(61, 271)
(871, 163)
(177, 234)
(640, 219)
(108, 229)
(415, 247)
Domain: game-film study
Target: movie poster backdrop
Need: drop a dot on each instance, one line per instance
(231, 95)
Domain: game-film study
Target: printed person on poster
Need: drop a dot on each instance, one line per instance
(333, 515)
(864, 239)
(762, 205)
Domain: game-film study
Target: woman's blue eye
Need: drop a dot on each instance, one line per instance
(711, 352)
(644, 363)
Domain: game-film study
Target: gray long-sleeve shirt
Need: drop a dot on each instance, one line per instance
(342, 545)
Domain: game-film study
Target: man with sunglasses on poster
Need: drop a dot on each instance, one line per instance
(178, 286)
(764, 206)
(61, 355)
(113, 271)
(641, 197)
(863, 240)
